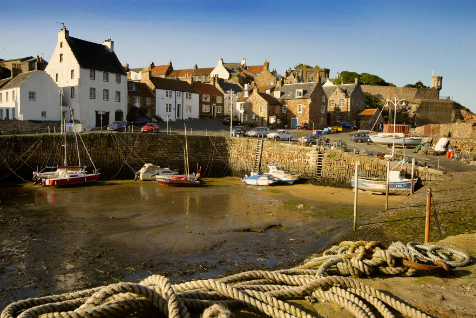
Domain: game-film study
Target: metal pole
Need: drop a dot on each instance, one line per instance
(413, 174)
(428, 211)
(387, 186)
(356, 190)
(168, 124)
(394, 123)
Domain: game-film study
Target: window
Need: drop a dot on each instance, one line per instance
(61, 58)
(196, 78)
(188, 109)
(31, 96)
(1, 101)
(105, 94)
(188, 95)
(299, 93)
(61, 44)
(105, 77)
(323, 98)
(206, 98)
(72, 74)
(341, 104)
(56, 77)
(219, 99)
(168, 108)
(203, 78)
(323, 109)
(268, 91)
(6, 97)
(278, 108)
(147, 101)
(331, 103)
(13, 96)
(72, 92)
(43, 114)
(92, 75)
(118, 79)
(322, 120)
(92, 93)
(285, 109)
(118, 96)
(206, 108)
(179, 94)
(137, 101)
(261, 109)
(357, 102)
(299, 110)
(168, 94)
(13, 113)
(219, 109)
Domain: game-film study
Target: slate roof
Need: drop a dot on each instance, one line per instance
(234, 67)
(95, 56)
(18, 80)
(346, 88)
(206, 89)
(159, 70)
(181, 73)
(21, 59)
(289, 90)
(172, 84)
(139, 89)
(270, 99)
(4, 81)
(230, 86)
(203, 71)
(365, 114)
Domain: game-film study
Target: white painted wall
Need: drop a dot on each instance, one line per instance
(220, 70)
(162, 100)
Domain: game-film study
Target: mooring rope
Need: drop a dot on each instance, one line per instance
(262, 291)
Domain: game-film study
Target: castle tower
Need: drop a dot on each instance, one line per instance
(436, 82)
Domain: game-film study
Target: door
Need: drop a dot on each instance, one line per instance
(178, 110)
(294, 122)
(102, 118)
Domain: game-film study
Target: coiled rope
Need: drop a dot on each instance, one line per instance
(262, 291)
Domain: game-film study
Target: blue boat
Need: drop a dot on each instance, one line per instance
(397, 184)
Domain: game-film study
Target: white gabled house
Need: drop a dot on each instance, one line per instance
(92, 79)
(30, 96)
(175, 99)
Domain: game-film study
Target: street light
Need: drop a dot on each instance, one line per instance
(395, 102)
(231, 94)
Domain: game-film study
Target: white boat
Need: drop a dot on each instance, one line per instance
(397, 184)
(259, 179)
(398, 138)
(282, 175)
(151, 172)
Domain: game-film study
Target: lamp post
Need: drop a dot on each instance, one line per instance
(168, 124)
(231, 94)
(395, 102)
(61, 109)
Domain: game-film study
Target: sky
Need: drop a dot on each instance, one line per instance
(401, 41)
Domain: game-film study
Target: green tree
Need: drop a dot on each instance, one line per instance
(372, 102)
(346, 77)
(369, 79)
(418, 84)
(299, 66)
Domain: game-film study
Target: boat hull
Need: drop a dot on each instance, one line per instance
(380, 186)
(76, 180)
(180, 183)
(259, 180)
(400, 141)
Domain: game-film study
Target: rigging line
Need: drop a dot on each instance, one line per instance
(87, 152)
(124, 160)
(129, 152)
(13, 172)
(20, 157)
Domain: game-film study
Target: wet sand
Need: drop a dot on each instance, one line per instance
(57, 240)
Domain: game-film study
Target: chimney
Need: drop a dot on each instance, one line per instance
(266, 65)
(243, 62)
(109, 44)
(63, 34)
(195, 67)
(357, 81)
(220, 62)
(318, 79)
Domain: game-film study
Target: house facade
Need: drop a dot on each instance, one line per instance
(211, 101)
(30, 96)
(140, 101)
(262, 109)
(175, 99)
(92, 80)
(344, 101)
(25, 64)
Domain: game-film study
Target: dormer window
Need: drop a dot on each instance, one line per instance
(299, 93)
(268, 91)
(277, 94)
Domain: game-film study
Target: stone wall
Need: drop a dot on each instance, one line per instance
(27, 126)
(406, 93)
(119, 155)
(454, 130)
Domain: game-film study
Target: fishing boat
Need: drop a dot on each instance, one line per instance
(65, 175)
(397, 183)
(282, 175)
(398, 139)
(259, 179)
(186, 180)
(151, 172)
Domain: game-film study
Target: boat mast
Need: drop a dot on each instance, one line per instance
(75, 136)
(186, 153)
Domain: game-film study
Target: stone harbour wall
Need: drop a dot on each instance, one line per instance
(119, 155)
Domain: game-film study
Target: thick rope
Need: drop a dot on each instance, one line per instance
(262, 291)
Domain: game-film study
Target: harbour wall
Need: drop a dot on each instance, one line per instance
(119, 155)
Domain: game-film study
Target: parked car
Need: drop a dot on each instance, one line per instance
(281, 134)
(258, 132)
(360, 137)
(239, 130)
(308, 139)
(117, 126)
(226, 121)
(140, 122)
(346, 124)
(150, 127)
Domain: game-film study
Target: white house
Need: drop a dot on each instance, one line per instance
(227, 70)
(30, 96)
(175, 99)
(92, 79)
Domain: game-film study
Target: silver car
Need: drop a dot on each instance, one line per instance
(281, 134)
(258, 132)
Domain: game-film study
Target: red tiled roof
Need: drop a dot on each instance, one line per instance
(207, 89)
(203, 71)
(181, 73)
(365, 114)
(139, 89)
(255, 69)
(159, 70)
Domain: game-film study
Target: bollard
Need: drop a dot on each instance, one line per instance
(428, 211)
(356, 190)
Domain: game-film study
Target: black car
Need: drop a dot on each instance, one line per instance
(117, 126)
(226, 121)
(140, 122)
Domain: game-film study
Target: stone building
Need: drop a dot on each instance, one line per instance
(369, 119)
(265, 78)
(305, 74)
(262, 109)
(161, 70)
(25, 64)
(303, 103)
(344, 101)
(202, 74)
(210, 100)
(141, 101)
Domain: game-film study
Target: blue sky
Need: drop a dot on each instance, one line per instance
(401, 41)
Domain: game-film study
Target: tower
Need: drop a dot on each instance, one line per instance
(436, 82)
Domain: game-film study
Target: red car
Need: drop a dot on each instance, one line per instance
(150, 127)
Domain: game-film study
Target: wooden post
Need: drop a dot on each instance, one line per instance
(428, 211)
(387, 190)
(356, 190)
(413, 174)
